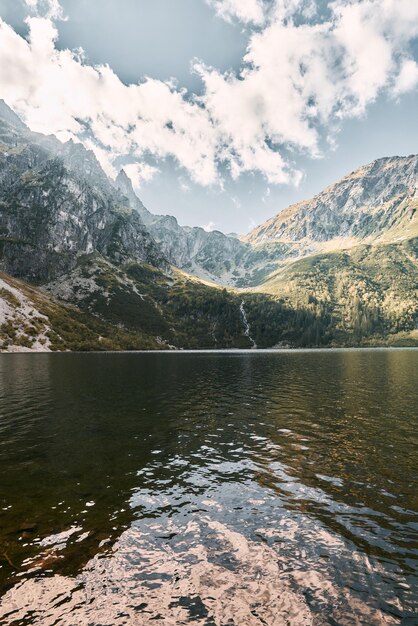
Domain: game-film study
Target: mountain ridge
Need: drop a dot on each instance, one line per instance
(53, 207)
(211, 255)
(361, 205)
(108, 274)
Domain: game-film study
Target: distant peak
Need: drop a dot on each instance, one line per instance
(367, 203)
(124, 183)
(123, 178)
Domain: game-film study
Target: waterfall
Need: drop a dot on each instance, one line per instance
(247, 329)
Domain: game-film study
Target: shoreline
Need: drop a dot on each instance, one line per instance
(218, 350)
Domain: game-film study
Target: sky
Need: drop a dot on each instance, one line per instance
(222, 112)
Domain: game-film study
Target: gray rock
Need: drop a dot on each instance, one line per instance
(372, 201)
(56, 203)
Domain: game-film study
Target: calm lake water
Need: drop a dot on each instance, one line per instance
(209, 488)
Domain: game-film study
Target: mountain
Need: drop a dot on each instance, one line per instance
(358, 296)
(32, 321)
(64, 226)
(212, 256)
(56, 203)
(9, 116)
(86, 266)
(377, 202)
(352, 255)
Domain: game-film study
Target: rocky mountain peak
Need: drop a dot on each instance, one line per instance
(367, 203)
(124, 184)
(56, 203)
(82, 162)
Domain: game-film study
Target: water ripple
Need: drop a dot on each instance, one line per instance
(217, 489)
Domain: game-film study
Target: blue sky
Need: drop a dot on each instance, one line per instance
(235, 138)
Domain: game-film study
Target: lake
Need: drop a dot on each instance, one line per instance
(223, 488)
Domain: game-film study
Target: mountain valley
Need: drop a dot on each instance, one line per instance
(85, 266)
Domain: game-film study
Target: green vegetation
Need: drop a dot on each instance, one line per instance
(10, 298)
(205, 317)
(365, 296)
(75, 330)
(177, 310)
(65, 327)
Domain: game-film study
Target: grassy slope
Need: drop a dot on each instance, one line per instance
(366, 295)
(178, 310)
(64, 327)
(174, 310)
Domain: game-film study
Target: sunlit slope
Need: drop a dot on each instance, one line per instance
(365, 297)
(366, 291)
(376, 202)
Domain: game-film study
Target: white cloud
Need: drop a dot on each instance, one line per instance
(209, 227)
(140, 173)
(407, 80)
(300, 78)
(244, 10)
(259, 12)
(51, 9)
(55, 91)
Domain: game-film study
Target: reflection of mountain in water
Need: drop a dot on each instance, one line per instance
(202, 573)
(229, 485)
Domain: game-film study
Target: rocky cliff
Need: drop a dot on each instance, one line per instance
(56, 203)
(340, 269)
(377, 202)
(210, 255)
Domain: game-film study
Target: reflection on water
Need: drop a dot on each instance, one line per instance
(216, 489)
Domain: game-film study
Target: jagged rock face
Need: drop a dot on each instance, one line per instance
(124, 184)
(56, 203)
(54, 208)
(10, 117)
(209, 255)
(22, 325)
(379, 200)
(365, 204)
(89, 242)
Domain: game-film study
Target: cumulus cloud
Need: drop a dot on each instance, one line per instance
(51, 9)
(55, 91)
(302, 75)
(407, 80)
(209, 227)
(140, 173)
(298, 80)
(244, 10)
(259, 12)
